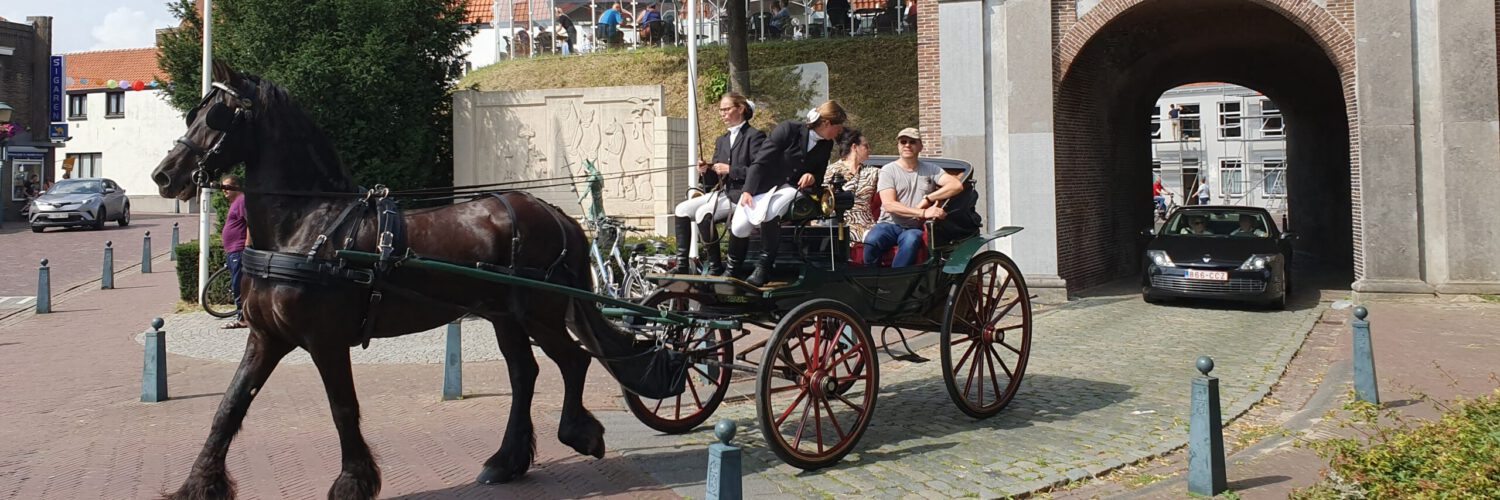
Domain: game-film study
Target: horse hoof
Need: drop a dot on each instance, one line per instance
(495, 475)
(586, 437)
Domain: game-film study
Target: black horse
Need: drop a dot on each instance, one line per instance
(287, 158)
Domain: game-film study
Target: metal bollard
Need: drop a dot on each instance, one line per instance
(1206, 435)
(453, 363)
(154, 374)
(172, 255)
(107, 281)
(1365, 387)
(43, 288)
(724, 465)
(146, 254)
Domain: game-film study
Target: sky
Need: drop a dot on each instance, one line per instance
(81, 25)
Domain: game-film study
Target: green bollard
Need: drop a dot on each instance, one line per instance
(1206, 475)
(724, 475)
(43, 288)
(172, 255)
(1365, 387)
(146, 254)
(453, 363)
(154, 374)
(107, 281)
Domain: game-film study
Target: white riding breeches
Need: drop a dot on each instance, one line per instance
(716, 203)
(766, 206)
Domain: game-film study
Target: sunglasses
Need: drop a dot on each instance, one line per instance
(905, 142)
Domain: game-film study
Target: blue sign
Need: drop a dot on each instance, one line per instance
(25, 155)
(57, 132)
(55, 86)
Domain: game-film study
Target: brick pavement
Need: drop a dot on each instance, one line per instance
(73, 427)
(77, 254)
(1107, 385)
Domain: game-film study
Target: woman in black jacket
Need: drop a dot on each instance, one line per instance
(731, 161)
(793, 157)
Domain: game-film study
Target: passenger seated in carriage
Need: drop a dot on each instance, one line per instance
(793, 157)
(909, 191)
(720, 182)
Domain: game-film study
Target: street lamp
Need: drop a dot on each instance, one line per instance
(5, 111)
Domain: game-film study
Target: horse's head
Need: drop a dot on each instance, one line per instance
(220, 134)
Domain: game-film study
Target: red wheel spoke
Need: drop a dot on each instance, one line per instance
(972, 366)
(712, 379)
(990, 313)
(818, 422)
(1012, 349)
(959, 365)
(834, 420)
(856, 351)
(801, 424)
(1008, 374)
(694, 388)
(789, 409)
(1008, 307)
(857, 408)
(657, 410)
(989, 352)
(967, 338)
(679, 407)
(785, 388)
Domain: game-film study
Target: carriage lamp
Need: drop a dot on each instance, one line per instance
(5, 111)
(1161, 258)
(1258, 262)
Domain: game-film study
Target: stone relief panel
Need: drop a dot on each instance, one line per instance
(547, 136)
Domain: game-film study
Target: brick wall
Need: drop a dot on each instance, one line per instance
(929, 83)
(18, 73)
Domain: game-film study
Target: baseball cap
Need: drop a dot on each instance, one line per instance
(910, 132)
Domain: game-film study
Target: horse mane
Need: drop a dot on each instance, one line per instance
(287, 123)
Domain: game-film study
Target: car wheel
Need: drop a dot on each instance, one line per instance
(125, 218)
(100, 217)
(37, 229)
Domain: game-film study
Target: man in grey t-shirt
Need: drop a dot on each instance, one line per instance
(909, 191)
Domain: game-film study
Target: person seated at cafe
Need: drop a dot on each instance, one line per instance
(909, 191)
(1247, 228)
(781, 19)
(1196, 226)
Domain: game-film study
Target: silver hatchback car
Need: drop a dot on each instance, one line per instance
(80, 202)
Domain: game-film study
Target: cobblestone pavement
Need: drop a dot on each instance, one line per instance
(76, 255)
(1107, 385)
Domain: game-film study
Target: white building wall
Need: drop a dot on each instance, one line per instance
(130, 146)
(481, 49)
(1257, 149)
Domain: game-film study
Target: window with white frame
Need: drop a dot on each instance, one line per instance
(1273, 173)
(1156, 122)
(1192, 118)
(1271, 124)
(1232, 177)
(1229, 119)
(87, 165)
(78, 106)
(114, 104)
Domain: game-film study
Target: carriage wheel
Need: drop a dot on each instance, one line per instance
(706, 384)
(986, 335)
(817, 384)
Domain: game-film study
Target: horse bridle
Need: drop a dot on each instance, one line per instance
(217, 119)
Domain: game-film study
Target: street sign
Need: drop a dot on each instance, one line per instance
(55, 88)
(57, 132)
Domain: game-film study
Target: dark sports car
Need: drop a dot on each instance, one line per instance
(1220, 252)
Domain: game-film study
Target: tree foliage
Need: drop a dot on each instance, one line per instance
(374, 74)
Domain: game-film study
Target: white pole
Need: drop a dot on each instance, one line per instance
(204, 194)
(552, 11)
(692, 110)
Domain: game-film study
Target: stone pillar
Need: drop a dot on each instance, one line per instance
(1458, 115)
(1387, 185)
(670, 149)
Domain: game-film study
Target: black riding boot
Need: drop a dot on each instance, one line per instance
(770, 242)
(684, 245)
(714, 260)
(737, 249)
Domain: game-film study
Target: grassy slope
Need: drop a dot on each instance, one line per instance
(874, 78)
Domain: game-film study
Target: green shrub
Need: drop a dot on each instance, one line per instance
(1455, 457)
(187, 267)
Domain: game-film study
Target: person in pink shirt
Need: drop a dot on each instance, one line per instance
(236, 232)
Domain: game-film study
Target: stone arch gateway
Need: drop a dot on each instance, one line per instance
(1391, 117)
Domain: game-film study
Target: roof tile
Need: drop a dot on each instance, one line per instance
(98, 67)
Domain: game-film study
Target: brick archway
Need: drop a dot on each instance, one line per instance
(1109, 67)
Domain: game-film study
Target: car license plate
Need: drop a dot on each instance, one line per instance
(57, 216)
(1207, 275)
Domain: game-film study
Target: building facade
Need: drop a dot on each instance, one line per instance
(1390, 108)
(25, 59)
(120, 133)
(1228, 136)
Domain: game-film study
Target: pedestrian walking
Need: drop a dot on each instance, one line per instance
(235, 234)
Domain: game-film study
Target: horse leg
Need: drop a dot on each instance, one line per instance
(518, 447)
(359, 476)
(209, 478)
(578, 427)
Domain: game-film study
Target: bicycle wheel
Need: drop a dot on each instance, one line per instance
(216, 298)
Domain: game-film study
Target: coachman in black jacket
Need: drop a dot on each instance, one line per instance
(732, 158)
(795, 154)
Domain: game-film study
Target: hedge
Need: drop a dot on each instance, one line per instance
(187, 267)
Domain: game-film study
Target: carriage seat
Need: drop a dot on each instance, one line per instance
(857, 253)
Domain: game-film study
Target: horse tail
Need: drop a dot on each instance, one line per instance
(642, 367)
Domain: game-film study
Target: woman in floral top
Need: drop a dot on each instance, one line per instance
(860, 179)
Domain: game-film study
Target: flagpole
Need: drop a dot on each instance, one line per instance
(204, 193)
(692, 110)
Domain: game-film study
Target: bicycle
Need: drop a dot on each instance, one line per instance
(216, 298)
(616, 274)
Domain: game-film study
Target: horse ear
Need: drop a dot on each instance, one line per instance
(224, 73)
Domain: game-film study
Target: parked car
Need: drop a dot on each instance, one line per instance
(80, 202)
(1220, 252)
